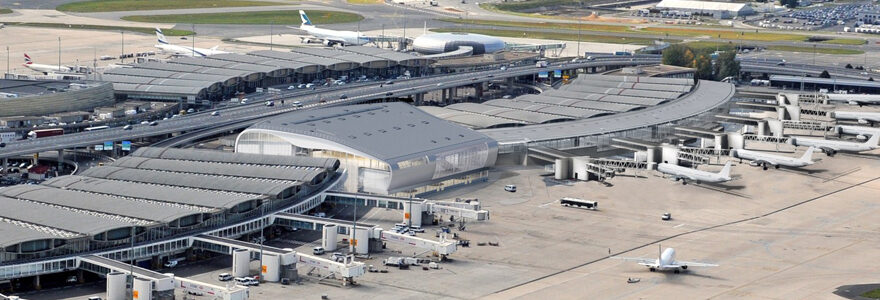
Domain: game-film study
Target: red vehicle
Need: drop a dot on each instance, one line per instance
(35, 134)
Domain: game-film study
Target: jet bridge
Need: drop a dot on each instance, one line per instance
(274, 259)
(443, 248)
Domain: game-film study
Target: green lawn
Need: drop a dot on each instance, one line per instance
(721, 46)
(147, 30)
(531, 4)
(129, 5)
(290, 17)
(4, 10)
(547, 25)
(872, 294)
(726, 34)
(552, 36)
(837, 51)
(844, 42)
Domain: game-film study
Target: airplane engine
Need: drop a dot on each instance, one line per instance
(684, 267)
(328, 43)
(863, 121)
(861, 137)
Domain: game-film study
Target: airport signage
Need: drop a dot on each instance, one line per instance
(108, 146)
(126, 145)
(557, 74)
(99, 147)
(543, 75)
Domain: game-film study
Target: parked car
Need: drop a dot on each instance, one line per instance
(318, 250)
(224, 277)
(510, 188)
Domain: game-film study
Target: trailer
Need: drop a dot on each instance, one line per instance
(41, 133)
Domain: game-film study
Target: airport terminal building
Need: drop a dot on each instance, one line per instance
(390, 148)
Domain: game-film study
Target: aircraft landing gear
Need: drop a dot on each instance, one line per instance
(652, 269)
(676, 271)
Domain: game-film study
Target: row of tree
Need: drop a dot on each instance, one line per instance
(681, 55)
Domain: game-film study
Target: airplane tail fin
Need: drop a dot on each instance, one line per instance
(27, 59)
(726, 170)
(874, 141)
(160, 36)
(808, 155)
(304, 18)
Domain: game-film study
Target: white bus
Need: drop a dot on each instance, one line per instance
(96, 128)
(579, 203)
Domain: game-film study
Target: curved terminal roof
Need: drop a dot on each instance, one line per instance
(14, 232)
(509, 113)
(323, 62)
(131, 88)
(434, 43)
(357, 60)
(470, 120)
(705, 96)
(637, 79)
(619, 91)
(370, 130)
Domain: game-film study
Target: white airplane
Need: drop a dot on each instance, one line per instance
(45, 69)
(860, 132)
(855, 99)
(330, 37)
(666, 261)
(767, 159)
(684, 174)
(176, 50)
(861, 117)
(831, 147)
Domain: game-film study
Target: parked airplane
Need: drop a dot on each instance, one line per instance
(666, 261)
(684, 174)
(767, 159)
(860, 131)
(831, 147)
(176, 50)
(854, 99)
(328, 36)
(861, 117)
(45, 69)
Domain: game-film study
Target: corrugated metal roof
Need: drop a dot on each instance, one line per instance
(166, 89)
(572, 112)
(470, 120)
(14, 232)
(520, 115)
(167, 193)
(122, 206)
(59, 217)
(211, 182)
(561, 99)
(239, 158)
(376, 130)
(307, 175)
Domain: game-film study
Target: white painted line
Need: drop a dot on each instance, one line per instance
(677, 226)
(545, 204)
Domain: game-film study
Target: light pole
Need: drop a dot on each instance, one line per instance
(122, 54)
(59, 54)
(579, 38)
(194, 45)
(7, 60)
(271, 25)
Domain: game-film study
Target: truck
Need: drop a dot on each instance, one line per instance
(41, 133)
(541, 64)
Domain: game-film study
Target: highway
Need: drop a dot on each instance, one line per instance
(243, 114)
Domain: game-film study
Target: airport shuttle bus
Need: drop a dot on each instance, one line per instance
(96, 128)
(579, 203)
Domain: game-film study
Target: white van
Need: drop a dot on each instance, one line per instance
(510, 188)
(243, 281)
(224, 277)
(318, 250)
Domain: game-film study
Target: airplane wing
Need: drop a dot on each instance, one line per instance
(690, 264)
(642, 261)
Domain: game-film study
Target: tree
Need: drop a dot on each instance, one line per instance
(675, 56)
(848, 66)
(726, 65)
(825, 74)
(703, 66)
(789, 3)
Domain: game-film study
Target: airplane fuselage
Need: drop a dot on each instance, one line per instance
(837, 146)
(683, 173)
(46, 69)
(861, 117)
(776, 160)
(335, 36)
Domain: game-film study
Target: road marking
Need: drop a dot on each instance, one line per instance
(677, 226)
(545, 204)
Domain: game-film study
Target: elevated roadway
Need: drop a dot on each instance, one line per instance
(249, 114)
